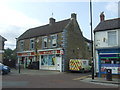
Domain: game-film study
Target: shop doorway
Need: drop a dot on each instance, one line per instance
(58, 62)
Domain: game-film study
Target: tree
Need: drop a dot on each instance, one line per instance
(10, 57)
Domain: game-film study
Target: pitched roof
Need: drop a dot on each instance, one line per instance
(108, 25)
(87, 40)
(3, 38)
(45, 30)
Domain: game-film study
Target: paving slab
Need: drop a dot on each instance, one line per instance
(102, 81)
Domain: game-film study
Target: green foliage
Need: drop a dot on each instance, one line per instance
(10, 54)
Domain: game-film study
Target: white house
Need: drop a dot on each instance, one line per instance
(107, 46)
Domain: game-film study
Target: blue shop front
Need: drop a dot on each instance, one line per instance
(109, 59)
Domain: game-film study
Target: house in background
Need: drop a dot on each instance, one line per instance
(107, 46)
(2, 43)
(53, 45)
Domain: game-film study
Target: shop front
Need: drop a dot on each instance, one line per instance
(109, 59)
(25, 58)
(50, 59)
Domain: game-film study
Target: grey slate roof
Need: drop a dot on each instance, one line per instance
(108, 25)
(45, 30)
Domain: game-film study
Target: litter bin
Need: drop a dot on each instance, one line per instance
(109, 74)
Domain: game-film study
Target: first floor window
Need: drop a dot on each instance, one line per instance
(32, 44)
(53, 40)
(44, 42)
(112, 38)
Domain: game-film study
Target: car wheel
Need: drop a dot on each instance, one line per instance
(83, 70)
(3, 72)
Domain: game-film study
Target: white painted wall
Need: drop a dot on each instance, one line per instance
(101, 39)
(96, 66)
(100, 43)
(119, 37)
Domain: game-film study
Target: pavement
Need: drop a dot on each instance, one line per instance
(33, 72)
(102, 81)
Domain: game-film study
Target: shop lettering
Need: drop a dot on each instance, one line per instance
(26, 54)
(50, 52)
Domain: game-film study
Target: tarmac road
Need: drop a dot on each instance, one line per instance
(47, 79)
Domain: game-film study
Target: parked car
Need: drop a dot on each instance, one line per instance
(4, 69)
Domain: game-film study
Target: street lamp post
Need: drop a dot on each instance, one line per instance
(91, 40)
(18, 65)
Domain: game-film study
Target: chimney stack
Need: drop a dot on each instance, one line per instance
(74, 16)
(102, 17)
(51, 21)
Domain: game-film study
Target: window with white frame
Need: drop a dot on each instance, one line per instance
(32, 44)
(22, 45)
(54, 40)
(112, 38)
(44, 42)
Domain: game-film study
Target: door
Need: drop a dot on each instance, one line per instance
(58, 62)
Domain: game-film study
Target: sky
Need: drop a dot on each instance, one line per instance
(17, 16)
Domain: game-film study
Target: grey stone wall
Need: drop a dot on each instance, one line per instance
(38, 42)
(76, 47)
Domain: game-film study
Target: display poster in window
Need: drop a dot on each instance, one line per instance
(51, 60)
(44, 60)
(115, 68)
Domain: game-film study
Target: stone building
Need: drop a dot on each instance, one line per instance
(53, 45)
(2, 40)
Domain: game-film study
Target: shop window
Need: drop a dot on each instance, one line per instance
(44, 42)
(117, 62)
(51, 60)
(54, 40)
(44, 60)
(48, 60)
(22, 45)
(112, 38)
(102, 61)
(110, 61)
(105, 61)
(57, 55)
(32, 44)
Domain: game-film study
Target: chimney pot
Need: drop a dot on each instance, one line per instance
(102, 17)
(51, 21)
(74, 16)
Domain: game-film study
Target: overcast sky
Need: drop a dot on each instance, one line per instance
(17, 16)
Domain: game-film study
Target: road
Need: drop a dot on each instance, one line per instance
(47, 79)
